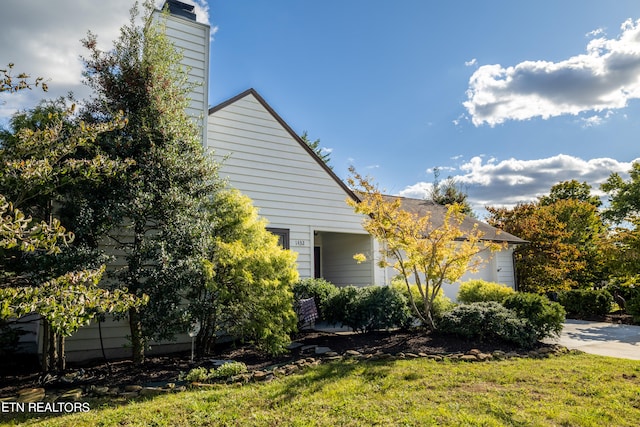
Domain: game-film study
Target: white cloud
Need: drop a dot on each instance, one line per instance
(441, 169)
(419, 190)
(471, 63)
(606, 77)
(43, 39)
(595, 33)
(512, 181)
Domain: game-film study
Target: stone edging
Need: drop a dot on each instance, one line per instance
(135, 390)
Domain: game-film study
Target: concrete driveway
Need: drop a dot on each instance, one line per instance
(604, 339)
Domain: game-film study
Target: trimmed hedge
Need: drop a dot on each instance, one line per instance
(369, 308)
(544, 317)
(483, 291)
(488, 321)
(522, 319)
(585, 303)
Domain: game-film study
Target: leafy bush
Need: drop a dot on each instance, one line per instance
(441, 304)
(228, 370)
(198, 375)
(369, 308)
(627, 288)
(225, 370)
(633, 308)
(545, 318)
(385, 307)
(318, 289)
(586, 302)
(483, 291)
(488, 321)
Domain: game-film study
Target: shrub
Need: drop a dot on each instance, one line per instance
(225, 370)
(483, 291)
(487, 321)
(633, 308)
(228, 370)
(627, 288)
(586, 302)
(343, 308)
(384, 307)
(198, 375)
(318, 289)
(441, 304)
(545, 318)
(369, 308)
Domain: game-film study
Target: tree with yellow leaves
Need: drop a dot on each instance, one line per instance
(425, 254)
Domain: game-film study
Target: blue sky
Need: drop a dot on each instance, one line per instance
(508, 97)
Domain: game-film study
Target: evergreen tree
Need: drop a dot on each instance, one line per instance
(249, 278)
(324, 155)
(448, 193)
(154, 208)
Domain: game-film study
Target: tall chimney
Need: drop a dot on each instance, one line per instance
(192, 39)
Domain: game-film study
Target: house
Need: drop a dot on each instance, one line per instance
(496, 266)
(300, 196)
(304, 201)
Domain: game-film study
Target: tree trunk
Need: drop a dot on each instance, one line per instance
(44, 362)
(53, 349)
(62, 361)
(137, 340)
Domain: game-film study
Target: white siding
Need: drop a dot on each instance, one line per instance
(494, 267)
(339, 267)
(285, 182)
(192, 39)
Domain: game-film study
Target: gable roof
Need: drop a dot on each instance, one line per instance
(438, 212)
(290, 131)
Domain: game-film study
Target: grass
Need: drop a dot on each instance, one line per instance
(570, 390)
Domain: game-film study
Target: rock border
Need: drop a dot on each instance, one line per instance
(320, 355)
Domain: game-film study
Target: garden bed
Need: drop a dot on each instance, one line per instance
(169, 368)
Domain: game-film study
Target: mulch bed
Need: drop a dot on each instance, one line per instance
(24, 373)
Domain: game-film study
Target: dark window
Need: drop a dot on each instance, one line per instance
(316, 262)
(283, 236)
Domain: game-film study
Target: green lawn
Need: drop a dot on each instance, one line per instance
(569, 390)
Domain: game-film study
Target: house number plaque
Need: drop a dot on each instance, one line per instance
(299, 242)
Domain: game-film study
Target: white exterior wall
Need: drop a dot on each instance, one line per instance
(494, 267)
(287, 184)
(339, 266)
(191, 38)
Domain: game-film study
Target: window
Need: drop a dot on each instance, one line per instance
(283, 236)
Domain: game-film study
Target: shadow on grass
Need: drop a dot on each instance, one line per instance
(327, 375)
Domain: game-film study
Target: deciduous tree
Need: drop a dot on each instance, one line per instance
(624, 210)
(567, 239)
(40, 161)
(425, 254)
